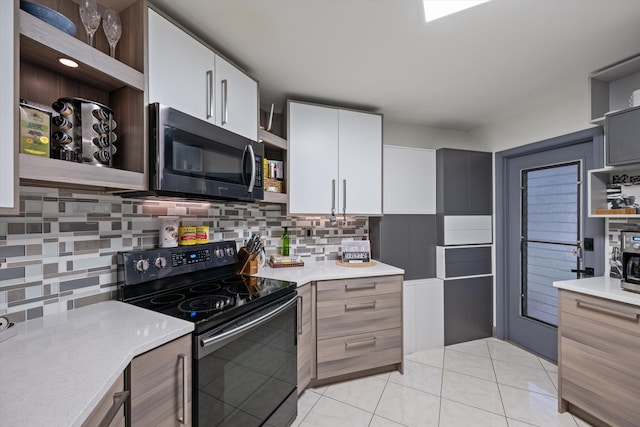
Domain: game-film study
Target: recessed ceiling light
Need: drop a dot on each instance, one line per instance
(68, 62)
(434, 9)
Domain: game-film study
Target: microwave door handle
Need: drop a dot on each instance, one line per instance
(252, 182)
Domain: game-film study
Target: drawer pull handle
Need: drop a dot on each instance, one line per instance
(360, 306)
(629, 315)
(352, 287)
(185, 389)
(300, 314)
(119, 399)
(365, 341)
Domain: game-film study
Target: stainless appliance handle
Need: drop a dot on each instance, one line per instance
(118, 400)
(225, 103)
(252, 182)
(185, 389)
(210, 112)
(629, 315)
(247, 326)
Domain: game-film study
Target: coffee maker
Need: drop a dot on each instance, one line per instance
(630, 247)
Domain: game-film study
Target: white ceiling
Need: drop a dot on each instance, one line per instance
(458, 72)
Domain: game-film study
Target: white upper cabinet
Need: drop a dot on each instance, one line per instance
(236, 100)
(8, 106)
(409, 183)
(180, 70)
(335, 161)
(190, 77)
(360, 163)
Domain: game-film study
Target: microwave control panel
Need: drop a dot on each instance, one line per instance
(259, 171)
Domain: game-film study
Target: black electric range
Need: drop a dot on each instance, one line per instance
(245, 329)
(195, 283)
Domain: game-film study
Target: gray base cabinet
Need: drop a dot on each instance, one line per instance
(598, 363)
(161, 386)
(468, 309)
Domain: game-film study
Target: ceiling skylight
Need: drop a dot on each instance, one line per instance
(434, 9)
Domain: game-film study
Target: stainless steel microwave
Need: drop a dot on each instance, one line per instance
(190, 158)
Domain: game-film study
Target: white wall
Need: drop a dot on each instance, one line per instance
(419, 136)
(558, 112)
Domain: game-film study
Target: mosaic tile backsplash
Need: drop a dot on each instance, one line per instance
(59, 253)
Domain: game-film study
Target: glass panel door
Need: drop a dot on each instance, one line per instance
(550, 236)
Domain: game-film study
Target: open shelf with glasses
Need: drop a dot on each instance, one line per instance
(116, 82)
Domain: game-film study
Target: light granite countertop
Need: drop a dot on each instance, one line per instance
(325, 270)
(603, 287)
(56, 368)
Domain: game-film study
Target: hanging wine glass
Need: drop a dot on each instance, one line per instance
(112, 29)
(90, 16)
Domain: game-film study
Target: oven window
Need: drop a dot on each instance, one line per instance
(192, 155)
(245, 381)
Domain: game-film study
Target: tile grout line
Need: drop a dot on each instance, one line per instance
(504, 410)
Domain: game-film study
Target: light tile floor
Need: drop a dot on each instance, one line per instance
(480, 383)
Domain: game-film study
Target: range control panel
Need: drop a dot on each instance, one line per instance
(136, 267)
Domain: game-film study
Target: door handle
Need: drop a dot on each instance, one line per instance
(588, 271)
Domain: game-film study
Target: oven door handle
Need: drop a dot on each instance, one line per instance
(246, 326)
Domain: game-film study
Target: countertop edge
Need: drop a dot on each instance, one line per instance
(135, 351)
(602, 287)
(314, 271)
(90, 347)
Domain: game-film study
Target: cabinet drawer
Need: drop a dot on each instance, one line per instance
(351, 316)
(604, 385)
(459, 262)
(612, 313)
(366, 286)
(353, 353)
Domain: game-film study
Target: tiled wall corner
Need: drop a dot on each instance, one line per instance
(59, 253)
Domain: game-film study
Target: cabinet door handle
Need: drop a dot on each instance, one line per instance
(118, 400)
(360, 306)
(629, 315)
(364, 341)
(344, 200)
(300, 300)
(333, 199)
(185, 388)
(225, 103)
(210, 112)
(353, 287)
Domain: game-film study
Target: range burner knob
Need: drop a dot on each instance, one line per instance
(219, 253)
(160, 262)
(230, 251)
(142, 265)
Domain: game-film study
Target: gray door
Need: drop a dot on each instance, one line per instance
(543, 223)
